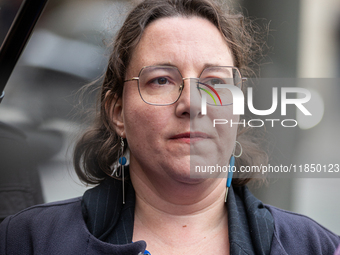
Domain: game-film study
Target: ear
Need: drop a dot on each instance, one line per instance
(115, 111)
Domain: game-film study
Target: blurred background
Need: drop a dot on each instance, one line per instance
(69, 48)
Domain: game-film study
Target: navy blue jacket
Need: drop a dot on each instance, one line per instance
(62, 228)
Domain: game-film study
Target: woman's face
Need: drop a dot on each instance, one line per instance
(159, 136)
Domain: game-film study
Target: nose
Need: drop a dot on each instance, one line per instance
(189, 103)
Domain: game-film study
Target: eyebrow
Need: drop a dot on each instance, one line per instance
(163, 64)
(212, 65)
(207, 65)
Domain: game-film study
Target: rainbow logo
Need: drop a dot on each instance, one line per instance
(209, 93)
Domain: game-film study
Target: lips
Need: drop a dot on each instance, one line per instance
(190, 137)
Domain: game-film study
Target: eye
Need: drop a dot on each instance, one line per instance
(161, 81)
(214, 81)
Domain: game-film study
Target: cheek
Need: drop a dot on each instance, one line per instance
(226, 125)
(143, 123)
(223, 119)
(227, 135)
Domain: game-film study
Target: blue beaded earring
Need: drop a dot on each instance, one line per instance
(119, 169)
(122, 162)
(231, 169)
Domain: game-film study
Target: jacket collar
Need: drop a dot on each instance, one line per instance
(251, 225)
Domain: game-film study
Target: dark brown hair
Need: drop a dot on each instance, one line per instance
(97, 150)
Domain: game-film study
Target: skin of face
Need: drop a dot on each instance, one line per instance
(157, 159)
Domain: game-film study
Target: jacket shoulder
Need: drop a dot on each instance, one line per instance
(37, 214)
(298, 234)
(43, 226)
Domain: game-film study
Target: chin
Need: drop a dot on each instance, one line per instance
(184, 177)
(179, 170)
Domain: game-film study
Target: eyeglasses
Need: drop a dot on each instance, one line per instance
(163, 85)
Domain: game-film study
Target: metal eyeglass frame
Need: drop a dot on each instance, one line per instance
(243, 79)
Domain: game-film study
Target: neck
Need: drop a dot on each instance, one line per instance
(201, 217)
(176, 214)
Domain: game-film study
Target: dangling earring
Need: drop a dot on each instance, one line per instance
(231, 166)
(119, 169)
(122, 162)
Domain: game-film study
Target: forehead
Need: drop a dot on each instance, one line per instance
(185, 42)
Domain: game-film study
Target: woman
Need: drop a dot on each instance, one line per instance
(166, 56)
